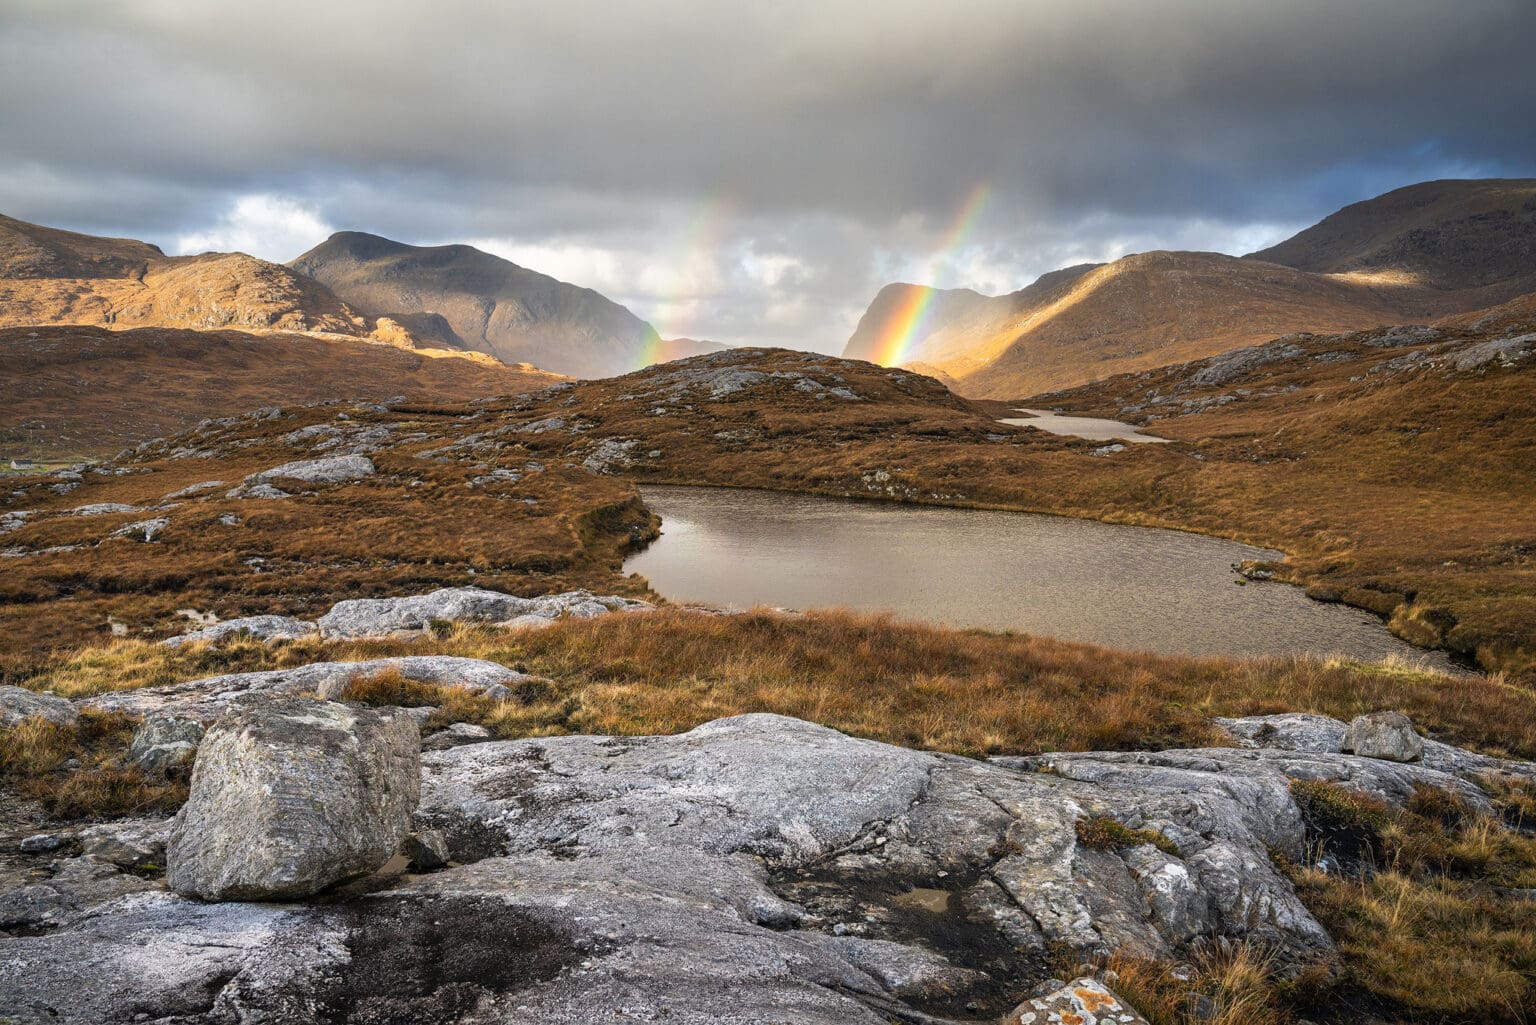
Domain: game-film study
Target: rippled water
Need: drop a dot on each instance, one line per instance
(1127, 587)
(1089, 427)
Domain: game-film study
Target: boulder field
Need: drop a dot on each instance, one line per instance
(755, 869)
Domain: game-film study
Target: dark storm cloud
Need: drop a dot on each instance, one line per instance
(842, 136)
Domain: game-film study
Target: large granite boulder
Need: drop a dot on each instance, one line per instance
(291, 796)
(1386, 735)
(18, 703)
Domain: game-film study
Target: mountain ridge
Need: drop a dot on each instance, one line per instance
(1410, 255)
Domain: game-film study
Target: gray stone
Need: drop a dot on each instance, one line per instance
(261, 628)
(427, 850)
(1386, 735)
(144, 530)
(456, 735)
(289, 797)
(41, 843)
(332, 470)
(18, 703)
(103, 509)
(208, 698)
(379, 617)
(77, 885)
(757, 869)
(163, 741)
(1319, 734)
(128, 843)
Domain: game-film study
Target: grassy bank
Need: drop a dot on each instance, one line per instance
(916, 685)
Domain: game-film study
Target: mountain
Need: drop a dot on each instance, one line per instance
(1418, 253)
(894, 309)
(49, 276)
(492, 305)
(1443, 235)
(77, 392)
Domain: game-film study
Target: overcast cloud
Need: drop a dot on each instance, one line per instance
(751, 173)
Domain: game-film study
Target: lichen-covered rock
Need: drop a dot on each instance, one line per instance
(1319, 734)
(260, 628)
(1080, 1002)
(289, 797)
(137, 844)
(1386, 735)
(332, 470)
(18, 703)
(380, 617)
(383, 617)
(164, 741)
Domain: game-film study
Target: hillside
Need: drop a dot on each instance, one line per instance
(1426, 251)
(79, 392)
(1444, 235)
(491, 305)
(899, 310)
(48, 276)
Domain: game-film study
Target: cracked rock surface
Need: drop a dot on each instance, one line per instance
(755, 869)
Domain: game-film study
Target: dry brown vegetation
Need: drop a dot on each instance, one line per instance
(419, 523)
(910, 684)
(35, 756)
(1432, 924)
(86, 392)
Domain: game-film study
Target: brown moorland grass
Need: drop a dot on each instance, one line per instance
(911, 684)
(420, 523)
(89, 391)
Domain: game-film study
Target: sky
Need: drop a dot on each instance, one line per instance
(752, 173)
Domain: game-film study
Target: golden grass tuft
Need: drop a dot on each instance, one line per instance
(33, 754)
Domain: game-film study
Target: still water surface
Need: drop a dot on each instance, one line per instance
(1127, 587)
(1089, 427)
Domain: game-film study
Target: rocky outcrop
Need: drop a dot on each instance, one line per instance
(290, 797)
(18, 703)
(332, 470)
(259, 628)
(757, 868)
(206, 699)
(382, 617)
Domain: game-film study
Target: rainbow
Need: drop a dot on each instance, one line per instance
(905, 326)
(675, 308)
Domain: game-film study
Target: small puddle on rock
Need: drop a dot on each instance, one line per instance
(936, 901)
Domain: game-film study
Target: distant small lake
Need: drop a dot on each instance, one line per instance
(1091, 428)
(1127, 587)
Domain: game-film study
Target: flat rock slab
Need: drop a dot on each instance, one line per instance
(260, 628)
(18, 703)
